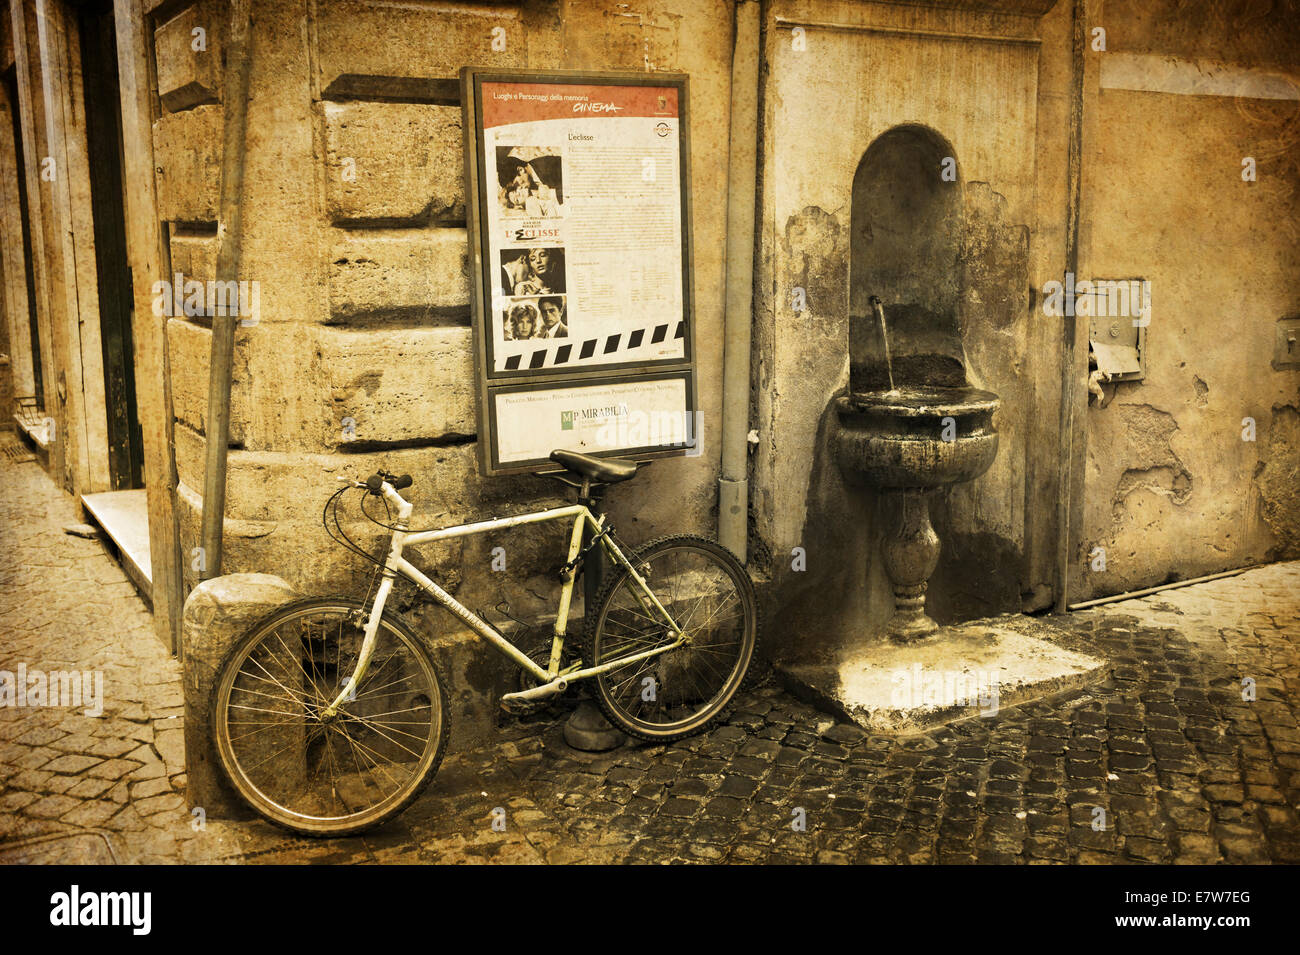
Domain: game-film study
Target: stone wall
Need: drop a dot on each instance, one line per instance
(354, 227)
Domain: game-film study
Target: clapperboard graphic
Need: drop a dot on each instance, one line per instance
(562, 354)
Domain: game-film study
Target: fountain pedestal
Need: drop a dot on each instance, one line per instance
(909, 443)
(906, 444)
(910, 554)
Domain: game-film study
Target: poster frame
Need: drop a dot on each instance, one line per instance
(640, 454)
(477, 195)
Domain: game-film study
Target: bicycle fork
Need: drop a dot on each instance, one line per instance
(371, 633)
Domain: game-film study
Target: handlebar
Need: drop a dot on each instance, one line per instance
(375, 482)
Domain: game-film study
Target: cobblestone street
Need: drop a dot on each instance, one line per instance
(1165, 753)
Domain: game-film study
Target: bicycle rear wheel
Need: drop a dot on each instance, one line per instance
(709, 595)
(333, 776)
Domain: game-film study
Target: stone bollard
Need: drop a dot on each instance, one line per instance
(217, 613)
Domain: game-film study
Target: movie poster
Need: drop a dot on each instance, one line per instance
(582, 213)
(580, 230)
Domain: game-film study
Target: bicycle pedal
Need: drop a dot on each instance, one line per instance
(521, 707)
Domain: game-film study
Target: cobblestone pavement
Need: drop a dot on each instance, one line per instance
(1165, 752)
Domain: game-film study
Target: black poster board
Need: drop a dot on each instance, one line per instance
(580, 245)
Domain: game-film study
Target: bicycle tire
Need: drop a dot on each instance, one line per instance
(245, 788)
(597, 618)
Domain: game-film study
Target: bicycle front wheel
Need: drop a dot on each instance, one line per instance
(710, 597)
(318, 775)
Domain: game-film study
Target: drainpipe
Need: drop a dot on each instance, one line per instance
(733, 484)
(229, 235)
(1068, 371)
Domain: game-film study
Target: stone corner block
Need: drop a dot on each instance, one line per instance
(217, 612)
(187, 164)
(187, 52)
(393, 163)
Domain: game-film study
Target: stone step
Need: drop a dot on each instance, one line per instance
(970, 669)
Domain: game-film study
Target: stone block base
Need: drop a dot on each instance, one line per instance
(971, 669)
(217, 613)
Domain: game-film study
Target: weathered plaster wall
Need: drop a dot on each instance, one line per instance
(825, 105)
(354, 226)
(1172, 488)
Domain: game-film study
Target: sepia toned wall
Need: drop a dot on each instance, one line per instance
(360, 358)
(354, 226)
(1173, 489)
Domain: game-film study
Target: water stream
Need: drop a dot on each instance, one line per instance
(884, 332)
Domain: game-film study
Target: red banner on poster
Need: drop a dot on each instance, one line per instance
(507, 103)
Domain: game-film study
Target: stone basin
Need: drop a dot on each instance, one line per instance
(901, 438)
(907, 442)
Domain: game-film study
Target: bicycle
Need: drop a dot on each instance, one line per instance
(329, 716)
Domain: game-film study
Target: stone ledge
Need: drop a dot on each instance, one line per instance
(187, 157)
(970, 669)
(194, 255)
(365, 49)
(278, 485)
(420, 275)
(189, 347)
(189, 77)
(397, 385)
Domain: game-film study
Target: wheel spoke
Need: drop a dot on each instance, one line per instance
(337, 774)
(700, 590)
(375, 727)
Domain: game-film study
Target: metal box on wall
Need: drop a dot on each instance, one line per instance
(1118, 311)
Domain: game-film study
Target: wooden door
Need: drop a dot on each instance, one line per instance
(104, 145)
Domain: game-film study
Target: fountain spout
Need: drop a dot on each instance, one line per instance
(879, 308)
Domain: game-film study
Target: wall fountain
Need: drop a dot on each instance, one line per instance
(911, 424)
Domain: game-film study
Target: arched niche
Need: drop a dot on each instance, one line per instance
(905, 248)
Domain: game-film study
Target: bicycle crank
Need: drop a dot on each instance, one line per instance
(523, 700)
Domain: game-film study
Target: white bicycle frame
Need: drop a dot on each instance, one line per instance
(555, 679)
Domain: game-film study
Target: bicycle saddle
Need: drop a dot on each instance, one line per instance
(605, 470)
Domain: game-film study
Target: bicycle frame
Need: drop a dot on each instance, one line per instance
(554, 677)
